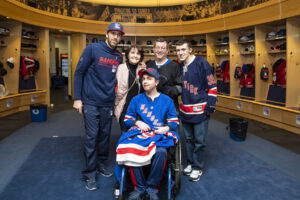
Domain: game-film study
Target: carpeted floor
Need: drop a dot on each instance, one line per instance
(44, 160)
(52, 171)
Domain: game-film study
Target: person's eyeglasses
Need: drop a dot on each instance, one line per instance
(160, 48)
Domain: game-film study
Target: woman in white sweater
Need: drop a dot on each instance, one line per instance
(128, 84)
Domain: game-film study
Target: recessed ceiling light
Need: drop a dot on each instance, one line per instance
(61, 30)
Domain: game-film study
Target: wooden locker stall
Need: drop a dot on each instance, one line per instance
(11, 48)
(293, 63)
(218, 51)
(242, 51)
(78, 44)
(15, 101)
(36, 45)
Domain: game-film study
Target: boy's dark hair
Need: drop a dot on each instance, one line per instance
(140, 51)
(184, 41)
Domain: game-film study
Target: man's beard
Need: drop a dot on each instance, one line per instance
(111, 45)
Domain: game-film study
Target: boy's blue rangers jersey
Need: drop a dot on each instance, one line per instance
(136, 147)
(94, 78)
(199, 91)
(157, 113)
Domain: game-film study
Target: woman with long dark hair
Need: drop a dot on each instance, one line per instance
(128, 84)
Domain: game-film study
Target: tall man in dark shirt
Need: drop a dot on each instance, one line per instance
(94, 93)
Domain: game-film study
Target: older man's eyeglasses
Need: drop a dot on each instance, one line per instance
(161, 48)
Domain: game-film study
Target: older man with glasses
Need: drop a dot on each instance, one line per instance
(169, 71)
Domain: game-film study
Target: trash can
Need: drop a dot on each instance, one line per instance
(38, 112)
(238, 129)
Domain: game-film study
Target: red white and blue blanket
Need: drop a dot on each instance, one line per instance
(136, 148)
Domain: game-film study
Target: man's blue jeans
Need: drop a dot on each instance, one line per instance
(195, 142)
(97, 122)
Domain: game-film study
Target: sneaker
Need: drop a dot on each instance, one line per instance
(195, 175)
(91, 184)
(187, 171)
(134, 195)
(104, 171)
(152, 196)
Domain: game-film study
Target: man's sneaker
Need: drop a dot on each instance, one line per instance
(152, 196)
(195, 175)
(134, 195)
(187, 171)
(104, 171)
(91, 184)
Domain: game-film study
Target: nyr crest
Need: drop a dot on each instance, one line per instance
(266, 111)
(239, 105)
(298, 119)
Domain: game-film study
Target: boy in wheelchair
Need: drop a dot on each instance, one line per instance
(147, 139)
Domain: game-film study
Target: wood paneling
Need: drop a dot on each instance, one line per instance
(267, 12)
(293, 62)
(144, 3)
(260, 119)
(272, 10)
(262, 58)
(43, 54)
(78, 44)
(12, 49)
(277, 116)
(15, 103)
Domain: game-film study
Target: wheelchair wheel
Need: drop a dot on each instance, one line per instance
(178, 167)
(117, 190)
(173, 195)
(121, 187)
(170, 184)
(171, 190)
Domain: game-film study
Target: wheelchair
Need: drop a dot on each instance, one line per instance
(172, 173)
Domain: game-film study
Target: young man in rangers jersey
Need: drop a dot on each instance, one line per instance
(199, 94)
(152, 119)
(94, 94)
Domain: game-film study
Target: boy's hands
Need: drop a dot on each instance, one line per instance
(142, 125)
(162, 130)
